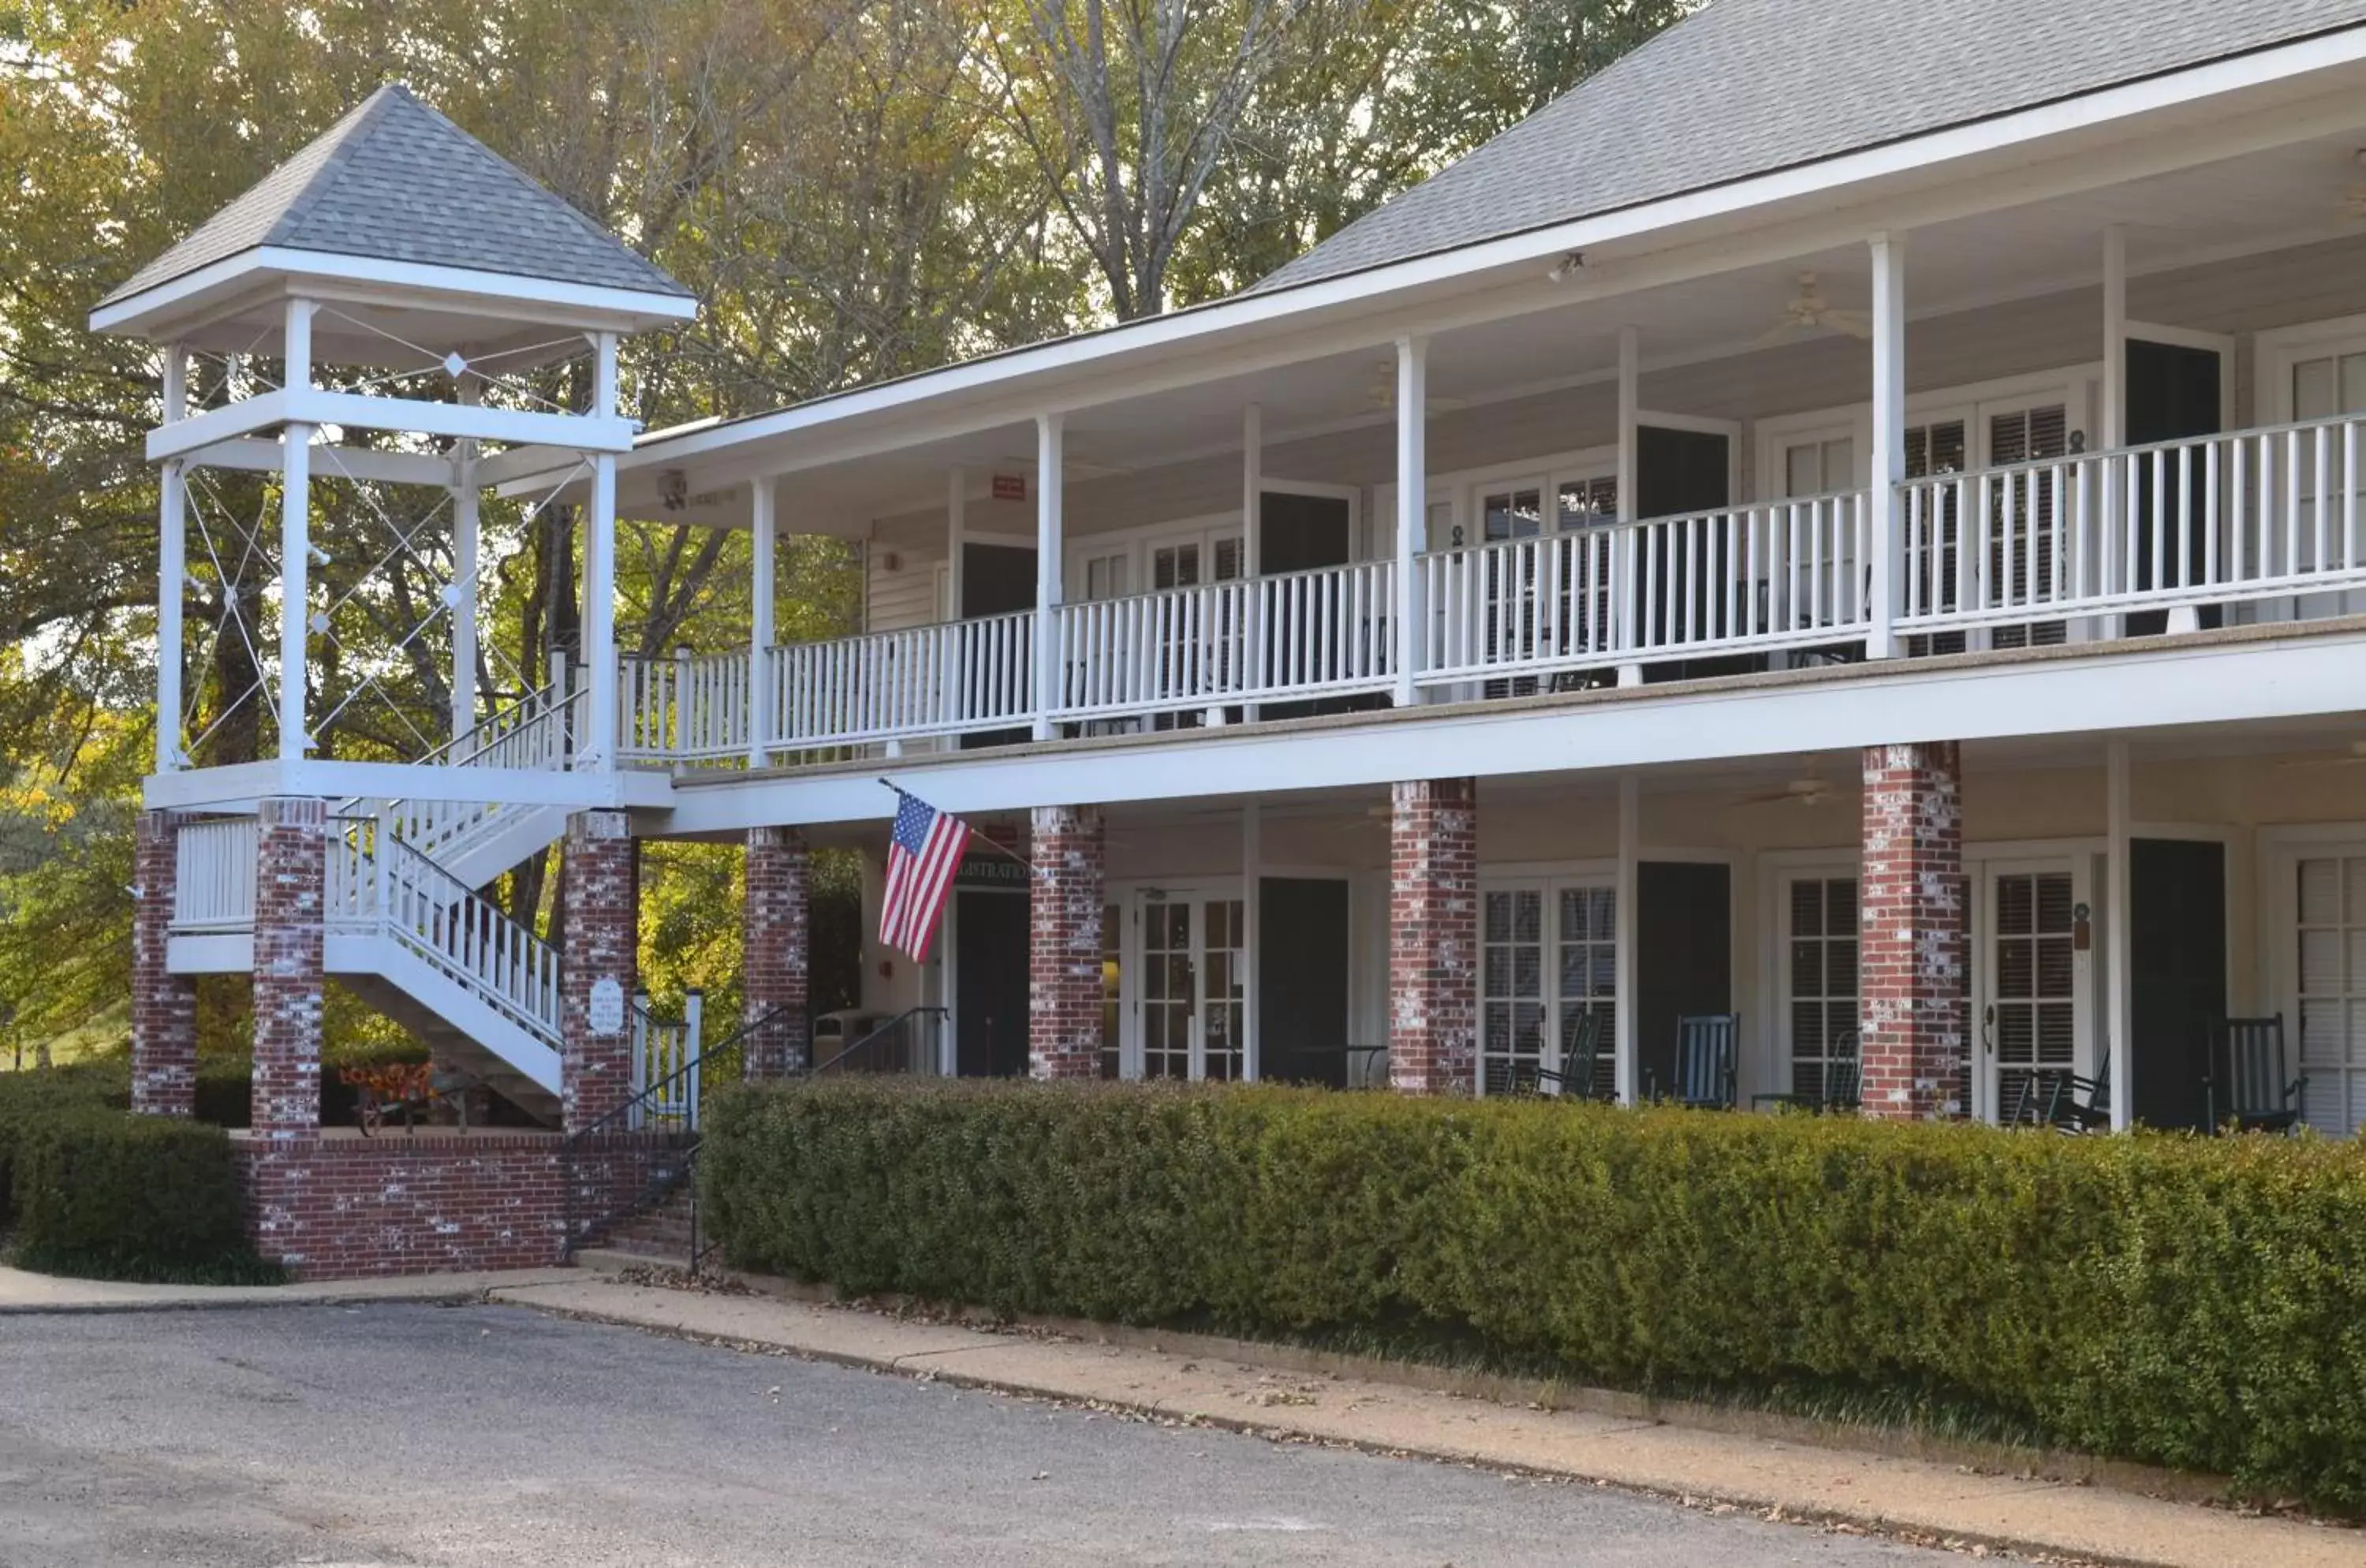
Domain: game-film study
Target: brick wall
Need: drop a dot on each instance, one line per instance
(1912, 941)
(1063, 917)
(603, 936)
(776, 952)
(332, 1208)
(1433, 935)
(292, 863)
(163, 1005)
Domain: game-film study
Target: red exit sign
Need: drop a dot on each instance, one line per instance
(1009, 487)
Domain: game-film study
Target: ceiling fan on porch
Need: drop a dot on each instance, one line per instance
(1810, 311)
(1811, 791)
(1381, 398)
(2351, 756)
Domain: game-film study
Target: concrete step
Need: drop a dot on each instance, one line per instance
(659, 1233)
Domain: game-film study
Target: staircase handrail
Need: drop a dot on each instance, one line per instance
(541, 1022)
(899, 1021)
(734, 1043)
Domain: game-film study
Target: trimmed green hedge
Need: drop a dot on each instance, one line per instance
(2186, 1302)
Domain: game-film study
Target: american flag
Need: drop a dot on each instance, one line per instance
(922, 855)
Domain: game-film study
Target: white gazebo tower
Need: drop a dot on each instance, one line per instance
(384, 330)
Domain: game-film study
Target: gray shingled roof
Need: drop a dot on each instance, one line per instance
(1748, 87)
(397, 181)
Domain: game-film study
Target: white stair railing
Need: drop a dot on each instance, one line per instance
(687, 707)
(2251, 514)
(666, 1063)
(534, 734)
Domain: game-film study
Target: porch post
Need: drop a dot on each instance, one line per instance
(2116, 568)
(1413, 509)
(598, 965)
(956, 533)
(1066, 889)
(1626, 1059)
(290, 932)
(1252, 932)
(600, 578)
(1050, 542)
(1888, 563)
(295, 541)
(1630, 391)
(764, 580)
(1433, 936)
(163, 1005)
(172, 568)
(1912, 941)
(1253, 546)
(776, 952)
(466, 509)
(2119, 912)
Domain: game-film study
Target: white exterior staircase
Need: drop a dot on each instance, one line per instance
(406, 930)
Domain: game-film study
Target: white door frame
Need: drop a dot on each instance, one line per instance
(2080, 861)
(1133, 898)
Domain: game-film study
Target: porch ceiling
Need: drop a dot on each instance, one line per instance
(2285, 197)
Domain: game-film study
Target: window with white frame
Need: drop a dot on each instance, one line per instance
(1818, 467)
(1819, 979)
(2332, 979)
(1549, 955)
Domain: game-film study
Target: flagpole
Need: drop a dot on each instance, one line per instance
(975, 836)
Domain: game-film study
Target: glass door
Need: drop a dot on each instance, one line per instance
(1819, 979)
(2028, 1021)
(1192, 1011)
(1549, 955)
(2021, 509)
(2330, 897)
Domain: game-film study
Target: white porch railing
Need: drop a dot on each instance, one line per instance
(2252, 514)
(213, 876)
(687, 707)
(1250, 639)
(1781, 574)
(952, 679)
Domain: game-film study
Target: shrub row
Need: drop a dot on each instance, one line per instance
(2188, 1303)
(89, 1189)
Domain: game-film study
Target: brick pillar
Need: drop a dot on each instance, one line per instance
(776, 954)
(1063, 917)
(291, 871)
(1912, 939)
(603, 937)
(163, 1005)
(1433, 936)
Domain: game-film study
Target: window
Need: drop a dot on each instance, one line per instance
(2324, 387)
(1819, 468)
(1530, 1011)
(1588, 502)
(1821, 977)
(1105, 576)
(2021, 511)
(1933, 449)
(2332, 901)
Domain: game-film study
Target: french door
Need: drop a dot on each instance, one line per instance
(2327, 983)
(1820, 978)
(1191, 1013)
(2033, 1006)
(1549, 955)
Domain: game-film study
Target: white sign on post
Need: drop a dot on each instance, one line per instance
(606, 1009)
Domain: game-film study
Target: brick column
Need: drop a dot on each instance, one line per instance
(291, 868)
(1064, 915)
(163, 1005)
(776, 954)
(603, 937)
(1912, 939)
(1433, 936)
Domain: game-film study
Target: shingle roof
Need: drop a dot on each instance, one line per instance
(397, 181)
(1748, 86)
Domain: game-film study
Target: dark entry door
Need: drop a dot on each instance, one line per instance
(990, 985)
(1684, 961)
(2173, 395)
(996, 579)
(1681, 473)
(1302, 980)
(2177, 950)
(1306, 533)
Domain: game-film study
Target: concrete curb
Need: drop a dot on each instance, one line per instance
(23, 1294)
(1912, 1498)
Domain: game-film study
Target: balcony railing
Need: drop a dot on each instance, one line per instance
(2252, 515)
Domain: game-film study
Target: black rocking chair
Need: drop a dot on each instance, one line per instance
(1704, 1047)
(1839, 1085)
(1580, 1065)
(2254, 1096)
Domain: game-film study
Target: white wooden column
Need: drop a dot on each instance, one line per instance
(2118, 566)
(172, 568)
(956, 538)
(2119, 912)
(295, 540)
(465, 507)
(1888, 563)
(1413, 509)
(600, 577)
(763, 581)
(1051, 542)
(1253, 542)
(1630, 422)
(1626, 1059)
(1252, 932)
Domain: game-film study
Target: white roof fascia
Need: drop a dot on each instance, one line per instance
(445, 288)
(2006, 143)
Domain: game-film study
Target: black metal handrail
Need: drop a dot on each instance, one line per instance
(900, 1022)
(734, 1043)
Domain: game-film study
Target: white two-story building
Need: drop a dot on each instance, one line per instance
(1850, 521)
